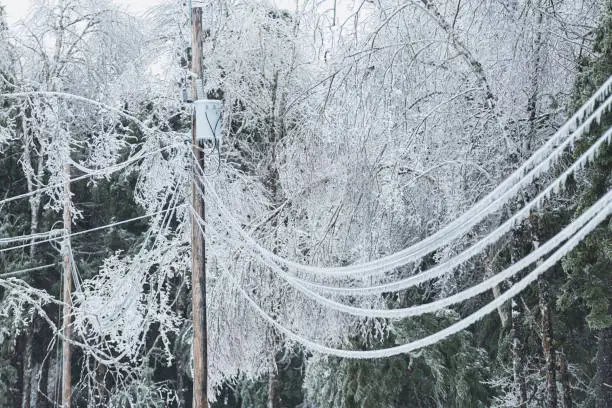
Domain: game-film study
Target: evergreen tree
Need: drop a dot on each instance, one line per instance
(589, 267)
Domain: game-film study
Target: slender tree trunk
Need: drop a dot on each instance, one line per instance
(565, 381)
(43, 385)
(277, 133)
(34, 202)
(100, 385)
(274, 388)
(463, 51)
(603, 378)
(517, 333)
(67, 297)
(546, 324)
(518, 359)
(179, 384)
(502, 310)
(544, 288)
(547, 343)
(27, 367)
(532, 103)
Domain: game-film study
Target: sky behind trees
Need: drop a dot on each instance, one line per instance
(18, 9)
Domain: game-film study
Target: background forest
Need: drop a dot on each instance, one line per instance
(350, 130)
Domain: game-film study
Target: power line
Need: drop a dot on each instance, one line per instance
(431, 307)
(24, 271)
(442, 334)
(75, 234)
(66, 95)
(90, 173)
(477, 247)
(569, 231)
(20, 238)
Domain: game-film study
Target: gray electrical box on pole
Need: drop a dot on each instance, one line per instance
(208, 120)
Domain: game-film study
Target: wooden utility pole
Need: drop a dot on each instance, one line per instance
(198, 248)
(66, 375)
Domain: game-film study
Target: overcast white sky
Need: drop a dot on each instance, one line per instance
(18, 9)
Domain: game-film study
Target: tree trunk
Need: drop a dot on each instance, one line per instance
(518, 359)
(67, 296)
(464, 52)
(277, 133)
(274, 388)
(503, 310)
(180, 393)
(26, 391)
(603, 378)
(532, 103)
(547, 344)
(100, 395)
(565, 382)
(43, 385)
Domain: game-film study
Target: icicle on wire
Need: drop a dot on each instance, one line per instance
(442, 334)
(462, 296)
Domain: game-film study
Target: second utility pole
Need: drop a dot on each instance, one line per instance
(198, 248)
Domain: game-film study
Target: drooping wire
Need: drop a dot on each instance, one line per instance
(569, 231)
(442, 334)
(92, 173)
(439, 270)
(25, 271)
(477, 247)
(75, 234)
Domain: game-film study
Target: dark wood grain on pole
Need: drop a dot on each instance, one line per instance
(198, 258)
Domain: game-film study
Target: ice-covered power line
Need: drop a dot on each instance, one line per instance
(602, 205)
(442, 334)
(439, 270)
(92, 173)
(60, 235)
(66, 95)
(30, 237)
(25, 271)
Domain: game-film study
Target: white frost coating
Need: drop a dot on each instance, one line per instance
(57, 234)
(567, 232)
(492, 202)
(30, 237)
(442, 334)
